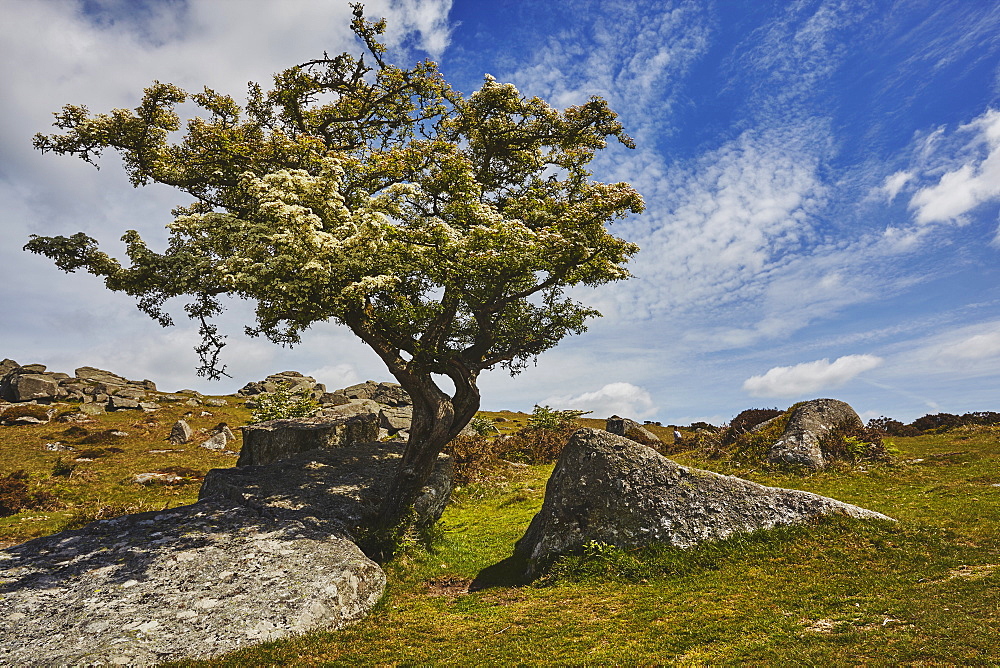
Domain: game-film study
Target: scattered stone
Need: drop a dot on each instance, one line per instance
(223, 428)
(216, 441)
(149, 406)
(91, 409)
(157, 478)
(217, 403)
(180, 433)
(267, 442)
(800, 442)
(343, 485)
(633, 430)
(192, 402)
(611, 489)
(59, 447)
(188, 583)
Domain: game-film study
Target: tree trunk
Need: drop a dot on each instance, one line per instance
(437, 419)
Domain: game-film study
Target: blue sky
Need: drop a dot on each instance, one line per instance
(822, 182)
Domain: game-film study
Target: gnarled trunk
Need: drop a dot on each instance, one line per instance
(437, 419)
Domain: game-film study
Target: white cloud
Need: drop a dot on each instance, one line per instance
(623, 399)
(808, 377)
(894, 183)
(964, 187)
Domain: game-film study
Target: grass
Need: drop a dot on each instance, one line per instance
(95, 479)
(922, 591)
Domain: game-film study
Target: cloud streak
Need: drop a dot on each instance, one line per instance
(809, 377)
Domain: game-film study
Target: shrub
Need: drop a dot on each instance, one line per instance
(61, 469)
(283, 404)
(544, 417)
(483, 426)
(891, 427)
(856, 445)
(749, 419)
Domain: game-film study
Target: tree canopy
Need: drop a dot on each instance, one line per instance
(442, 229)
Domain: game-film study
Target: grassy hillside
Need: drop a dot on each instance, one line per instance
(921, 591)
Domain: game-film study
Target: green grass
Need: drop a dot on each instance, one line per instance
(922, 591)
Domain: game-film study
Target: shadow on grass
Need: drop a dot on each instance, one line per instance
(511, 572)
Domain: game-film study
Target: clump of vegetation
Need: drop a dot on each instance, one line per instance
(102, 437)
(283, 403)
(934, 423)
(483, 426)
(16, 412)
(480, 457)
(857, 445)
(61, 469)
(16, 495)
(544, 418)
(747, 440)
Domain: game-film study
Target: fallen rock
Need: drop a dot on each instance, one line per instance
(180, 433)
(342, 485)
(611, 489)
(157, 478)
(267, 442)
(633, 430)
(187, 583)
(800, 442)
(216, 441)
(116, 403)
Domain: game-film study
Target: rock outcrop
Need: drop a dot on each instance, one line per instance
(633, 430)
(611, 489)
(801, 440)
(191, 582)
(343, 486)
(32, 382)
(268, 442)
(292, 380)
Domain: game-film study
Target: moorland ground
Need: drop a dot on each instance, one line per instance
(922, 591)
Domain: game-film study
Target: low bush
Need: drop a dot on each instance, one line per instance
(283, 404)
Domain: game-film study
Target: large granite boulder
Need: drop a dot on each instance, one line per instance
(387, 394)
(187, 583)
(611, 489)
(800, 444)
(342, 485)
(633, 430)
(267, 442)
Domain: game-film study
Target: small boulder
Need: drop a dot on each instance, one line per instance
(116, 403)
(801, 440)
(611, 489)
(216, 441)
(633, 430)
(180, 433)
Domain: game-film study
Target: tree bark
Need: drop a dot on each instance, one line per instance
(437, 419)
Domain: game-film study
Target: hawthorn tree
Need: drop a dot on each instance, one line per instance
(441, 229)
